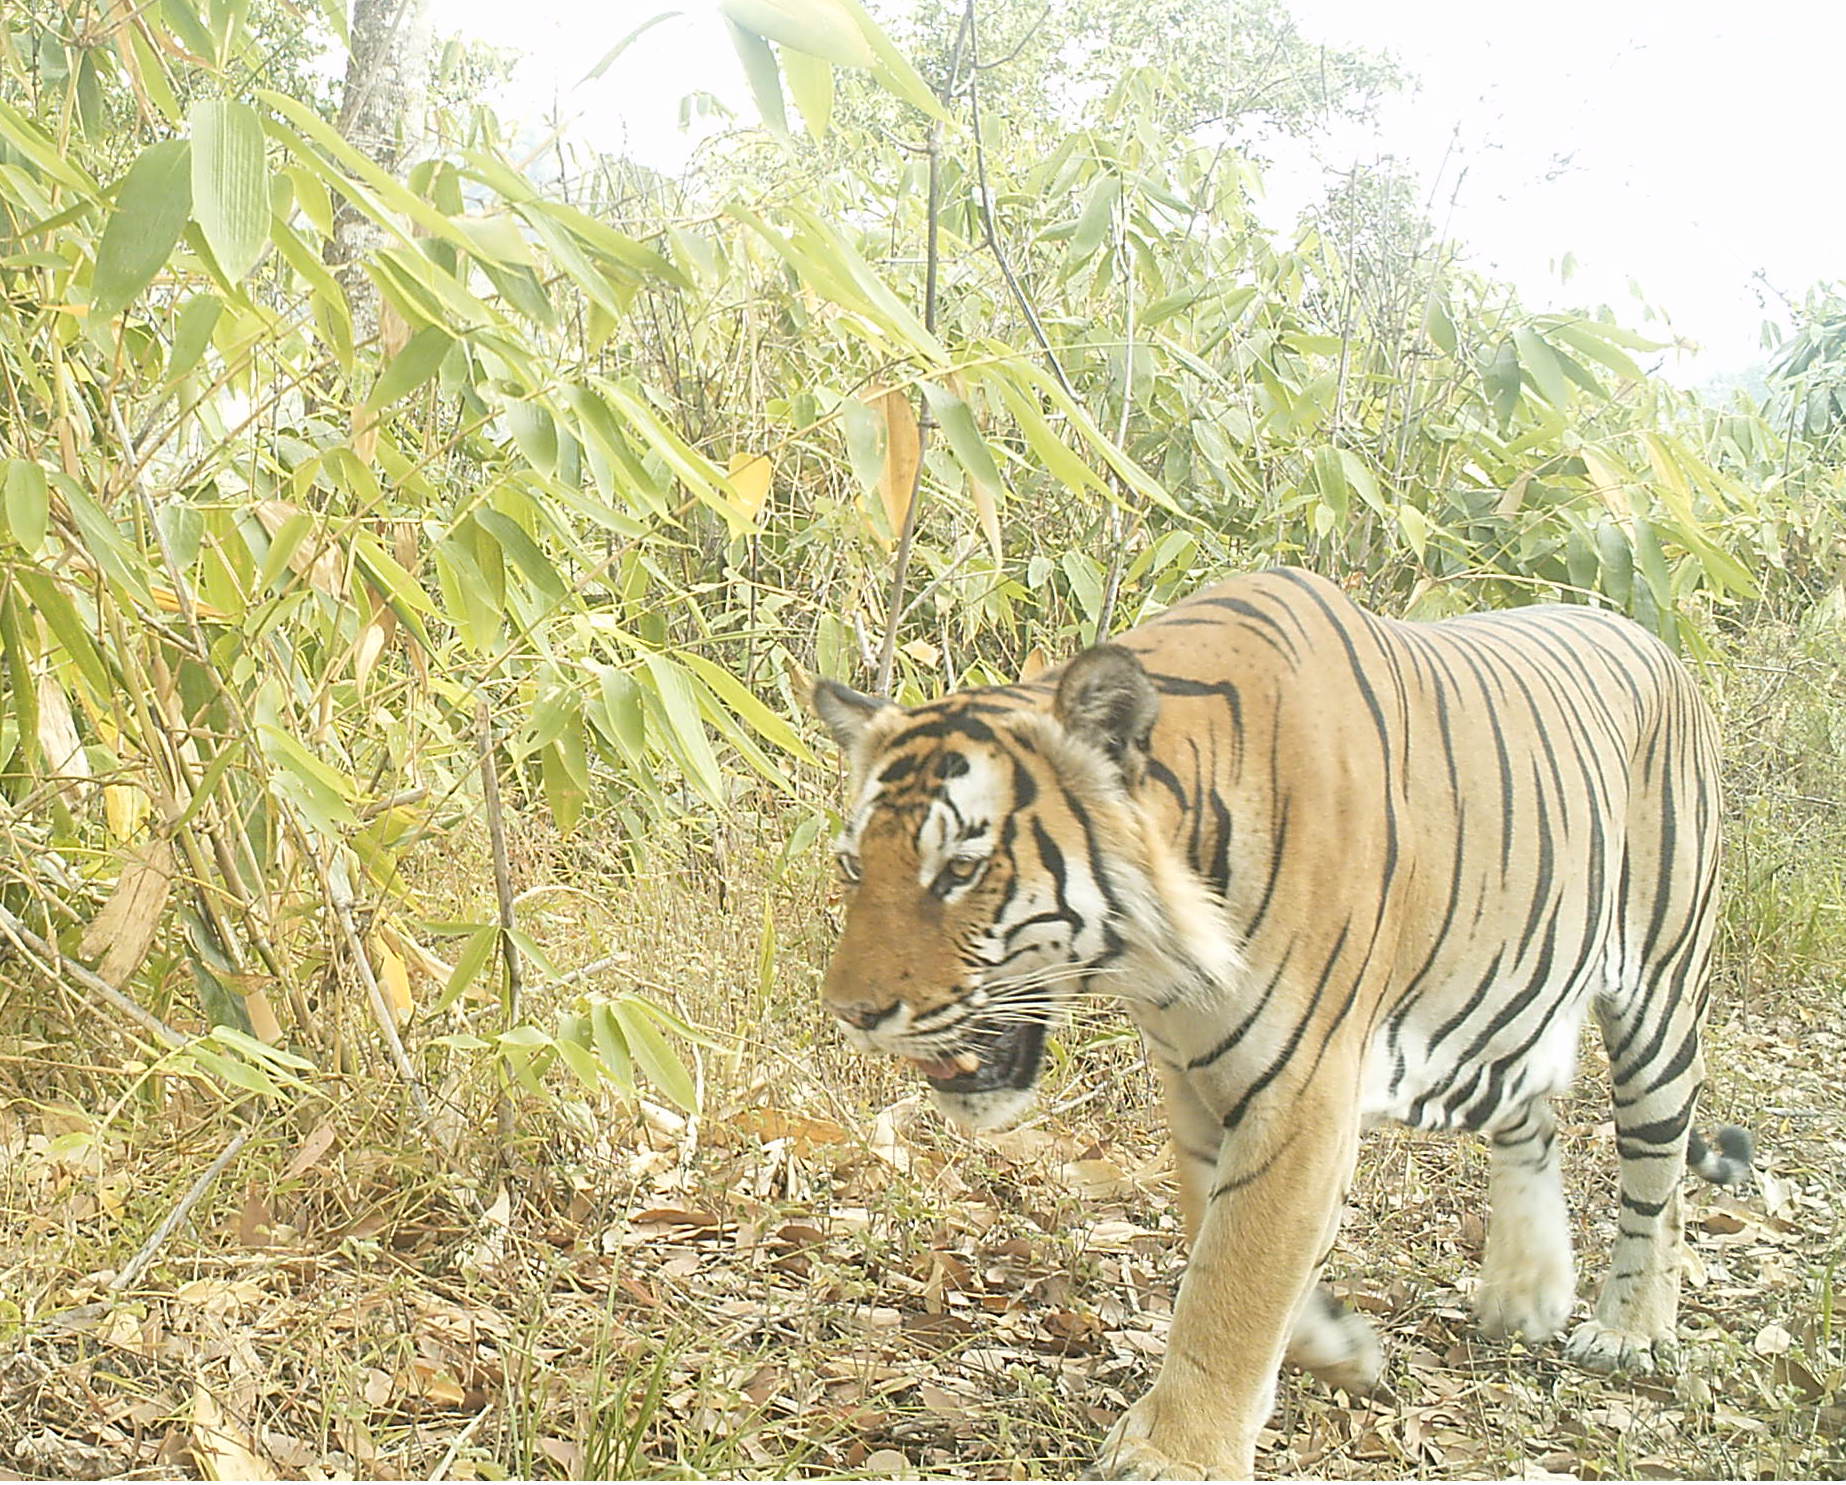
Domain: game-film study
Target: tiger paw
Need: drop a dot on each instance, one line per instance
(1532, 1300)
(1129, 1453)
(1601, 1348)
(1336, 1345)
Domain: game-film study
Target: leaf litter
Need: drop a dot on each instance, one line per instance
(816, 1277)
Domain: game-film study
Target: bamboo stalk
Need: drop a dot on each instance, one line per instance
(513, 990)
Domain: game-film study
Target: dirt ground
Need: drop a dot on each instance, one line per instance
(818, 1277)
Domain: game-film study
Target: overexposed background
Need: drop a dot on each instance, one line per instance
(1689, 153)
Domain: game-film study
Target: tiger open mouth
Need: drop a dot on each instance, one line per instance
(1007, 1057)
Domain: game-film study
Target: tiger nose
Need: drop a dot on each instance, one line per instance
(863, 1014)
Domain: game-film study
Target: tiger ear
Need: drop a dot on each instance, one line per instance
(1105, 698)
(843, 711)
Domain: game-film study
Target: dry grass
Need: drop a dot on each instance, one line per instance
(816, 1277)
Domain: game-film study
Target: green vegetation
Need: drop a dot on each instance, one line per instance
(398, 738)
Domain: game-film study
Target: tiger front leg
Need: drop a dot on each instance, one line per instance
(1272, 1206)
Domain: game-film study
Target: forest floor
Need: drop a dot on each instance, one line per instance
(817, 1277)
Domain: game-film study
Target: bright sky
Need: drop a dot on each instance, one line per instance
(1685, 147)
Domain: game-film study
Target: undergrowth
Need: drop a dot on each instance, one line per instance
(815, 1277)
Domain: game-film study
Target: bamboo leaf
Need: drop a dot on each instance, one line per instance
(679, 713)
(151, 208)
(763, 75)
(657, 1059)
(810, 79)
(897, 474)
(819, 28)
(28, 503)
(230, 182)
(411, 367)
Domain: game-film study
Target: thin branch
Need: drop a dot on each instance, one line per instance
(195, 1193)
(1118, 545)
(503, 892)
(900, 565)
(56, 968)
(339, 893)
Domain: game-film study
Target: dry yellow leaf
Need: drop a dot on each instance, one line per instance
(370, 645)
(415, 955)
(124, 808)
(806, 1131)
(123, 929)
(987, 512)
(393, 978)
(923, 652)
(57, 732)
(364, 438)
(903, 452)
(315, 559)
(393, 330)
(224, 1448)
(750, 479)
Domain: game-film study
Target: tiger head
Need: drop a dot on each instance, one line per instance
(990, 848)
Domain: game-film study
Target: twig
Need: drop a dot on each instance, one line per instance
(194, 1195)
(460, 1441)
(54, 966)
(339, 893)
(900, 565)
(503, 892)
(1118, 546)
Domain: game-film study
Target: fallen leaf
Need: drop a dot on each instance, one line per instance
(1772, 1340)
(224, 1447)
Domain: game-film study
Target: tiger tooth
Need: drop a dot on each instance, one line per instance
(967, 1062)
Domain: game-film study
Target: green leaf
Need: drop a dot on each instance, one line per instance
(1541, 365)
(865, 442)
(283, 545)
(1330, 481)
(810, 79)
(468, 965)
(1617, 563)
(621, 699)
(680, 714)
(192, 333)
(411, 367)
(819, 28)
(230, 182)
(612, 1046)
(565, 775)
(28, 503)
(53, 606)
(317, 790)
(892, 67)
(1098, 211)
(151, 208)
(957, 420)
(741, 700)
(535, 433)
(1502, 381)
(231, 1070)
(247, 1046)
(658, 1060)
(764, 76)
(524, 553)
(103, 540)
(1438, 326)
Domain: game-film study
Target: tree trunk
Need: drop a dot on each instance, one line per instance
(382, 114)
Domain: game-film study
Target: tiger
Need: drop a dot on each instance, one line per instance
(1340, 868)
